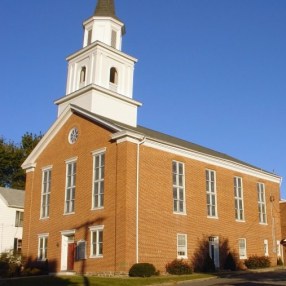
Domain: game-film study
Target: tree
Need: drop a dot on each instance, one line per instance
(11, 158)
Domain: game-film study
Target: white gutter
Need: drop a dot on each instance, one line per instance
(137, 198)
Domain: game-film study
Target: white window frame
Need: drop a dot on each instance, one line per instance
(261, 203)
(43, 246)
(19, 218)
(96, 247)
(70, 186)
(211, 193)
(179, 196)
(98, 179)
(238, 199)
(242, 250)
(182, 246)
(266, 247)
(46, 192)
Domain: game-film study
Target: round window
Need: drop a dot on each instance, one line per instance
(73, 135)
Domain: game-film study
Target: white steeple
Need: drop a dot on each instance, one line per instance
(100, 75)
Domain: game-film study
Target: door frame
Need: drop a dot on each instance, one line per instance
(66, 236)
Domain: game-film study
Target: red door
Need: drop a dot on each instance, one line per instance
(71, 250)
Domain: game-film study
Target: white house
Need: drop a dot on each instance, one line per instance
(11, 219)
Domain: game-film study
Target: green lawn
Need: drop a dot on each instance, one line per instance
(96, 281)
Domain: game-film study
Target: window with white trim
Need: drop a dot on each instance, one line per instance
(46, 192)
(182, 251)
(70, 187)
(19, 219)
(242, 248)
(178, 187)
(96, 246)
(98, 180)
(42, 247)
(211, 193)
(265, 247)
(238, 199)
(261, 202)
(17, 245)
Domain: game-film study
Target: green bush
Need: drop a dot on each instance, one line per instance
(230, 263)
(208, 265)
(255, 262)
(10, 265)
(178, 267)
(279, 261)
(142, 270)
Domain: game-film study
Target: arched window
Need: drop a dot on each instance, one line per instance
(113, 76)
(82, 75)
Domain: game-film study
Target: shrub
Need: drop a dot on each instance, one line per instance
(36, 267)
(178, 267)
(208, 265)
(279, 261)
(10, 265)
(142, 270)
(254, 262)
(230, 263)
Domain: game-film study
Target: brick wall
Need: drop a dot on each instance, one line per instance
(158, 225)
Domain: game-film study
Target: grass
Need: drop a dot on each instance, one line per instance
(97, 281)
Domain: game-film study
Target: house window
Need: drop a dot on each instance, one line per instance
(265, 246)
(113, 39)
(46, 192)
(261, 202)
(211, 193)
(42, 247)
(17, 245)
(96, 241)
(178, 187)
(182, 246)
(238, 199)
(70, 187)
(98, 180)
(242, 248)
(19, 219)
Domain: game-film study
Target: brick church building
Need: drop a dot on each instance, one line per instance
(103, 193)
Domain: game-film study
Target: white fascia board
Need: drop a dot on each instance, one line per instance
(30, 163)
(97, 45)
(100, 89)
(224, 163)
(126, 135)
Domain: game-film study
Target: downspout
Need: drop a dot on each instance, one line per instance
(137, 197)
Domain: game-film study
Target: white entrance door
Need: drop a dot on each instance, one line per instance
(214, 250)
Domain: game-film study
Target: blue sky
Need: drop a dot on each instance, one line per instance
(210, 71)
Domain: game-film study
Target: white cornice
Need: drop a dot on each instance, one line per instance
(30, 162)
(97, 45)
(220, 162)
(126, 135)
(95, 87)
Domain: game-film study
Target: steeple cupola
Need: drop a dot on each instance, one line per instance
(104, 26)
(100, 75)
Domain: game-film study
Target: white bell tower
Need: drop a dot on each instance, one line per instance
(100, 75)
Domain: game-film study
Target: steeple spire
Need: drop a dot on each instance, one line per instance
(105, 8)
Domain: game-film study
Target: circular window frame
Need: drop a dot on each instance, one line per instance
(73, 135)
